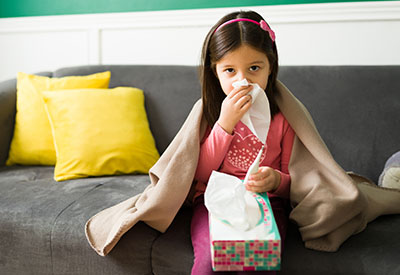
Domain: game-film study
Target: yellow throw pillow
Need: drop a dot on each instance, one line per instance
(32, 143)
(100, 132)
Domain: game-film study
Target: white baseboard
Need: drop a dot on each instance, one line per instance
(359, 33)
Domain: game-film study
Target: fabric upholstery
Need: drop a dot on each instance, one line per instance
(361, 254)
(178, 237)
(42, 222)
(7, 117)
(343, 111)
(354, 109)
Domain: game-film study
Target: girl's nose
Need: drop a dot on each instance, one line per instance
(241, 75)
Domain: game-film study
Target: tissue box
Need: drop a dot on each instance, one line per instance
(256, 249)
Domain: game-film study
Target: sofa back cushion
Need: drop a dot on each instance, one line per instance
(356, 110)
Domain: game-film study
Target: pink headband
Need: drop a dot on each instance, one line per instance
(263, 25)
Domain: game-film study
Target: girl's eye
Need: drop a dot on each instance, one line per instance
(229, 70)
(254, 68)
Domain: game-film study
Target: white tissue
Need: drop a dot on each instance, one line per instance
(258, 117)
(227, 199)
(254, 166)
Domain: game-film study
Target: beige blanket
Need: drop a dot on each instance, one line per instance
(328, 205)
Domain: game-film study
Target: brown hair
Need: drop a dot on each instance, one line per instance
(226, 39)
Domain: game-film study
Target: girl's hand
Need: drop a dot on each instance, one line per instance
(234, 106)
(266, 179)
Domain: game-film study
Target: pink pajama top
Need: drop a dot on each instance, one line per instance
(233, 154)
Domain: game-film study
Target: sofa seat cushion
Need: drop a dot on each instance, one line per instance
(373, 251)
(42, 224)
(174, 244)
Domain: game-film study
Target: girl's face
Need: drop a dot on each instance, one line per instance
(244, 62)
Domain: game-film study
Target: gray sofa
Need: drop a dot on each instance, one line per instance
(356, 109)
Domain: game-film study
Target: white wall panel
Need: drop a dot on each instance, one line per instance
(340, 43)
(153, 46)
(38, 51)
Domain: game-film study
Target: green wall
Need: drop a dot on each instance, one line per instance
(18, 8)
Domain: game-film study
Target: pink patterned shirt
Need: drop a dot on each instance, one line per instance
(233, 154)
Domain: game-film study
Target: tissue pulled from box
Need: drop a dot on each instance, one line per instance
(227, 199)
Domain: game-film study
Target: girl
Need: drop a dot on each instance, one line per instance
(328, 205)
(240, 46)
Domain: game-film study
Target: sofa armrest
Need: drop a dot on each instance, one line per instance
(7, 116)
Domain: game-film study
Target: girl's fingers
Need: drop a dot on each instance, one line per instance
(266, 180)
(262, 181)
(239, 92)
(262, 173)
(254, 183)
(243, 101)
(255, 189)
(258, 186)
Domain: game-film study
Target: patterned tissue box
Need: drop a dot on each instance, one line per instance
(256, 249)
